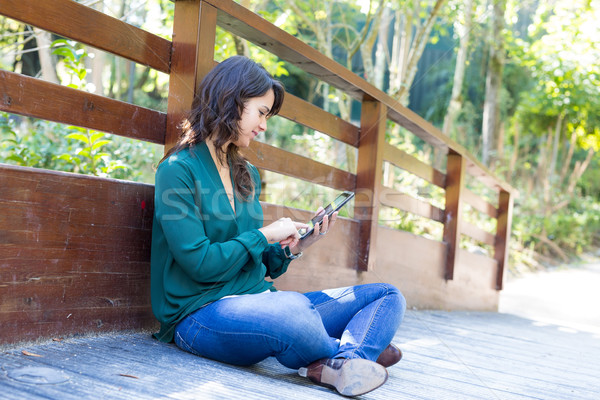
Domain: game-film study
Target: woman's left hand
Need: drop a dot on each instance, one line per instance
(319, 232)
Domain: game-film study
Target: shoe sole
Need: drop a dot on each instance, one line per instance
(357, 376)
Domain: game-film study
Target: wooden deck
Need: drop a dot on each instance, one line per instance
(448, 355)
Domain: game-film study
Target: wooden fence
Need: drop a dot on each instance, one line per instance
(186, 59)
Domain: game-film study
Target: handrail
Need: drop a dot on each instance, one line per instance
(75, 107)
(403, 160)
(305, 113)
(86, 25)
(274, 159)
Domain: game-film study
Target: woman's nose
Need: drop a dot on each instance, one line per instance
(263, 124)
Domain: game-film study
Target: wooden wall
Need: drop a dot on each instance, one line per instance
(74, 254)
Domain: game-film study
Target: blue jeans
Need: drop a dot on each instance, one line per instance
(297, 329)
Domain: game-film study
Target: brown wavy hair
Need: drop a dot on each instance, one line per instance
(217, 109)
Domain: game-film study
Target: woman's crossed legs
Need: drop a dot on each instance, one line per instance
(352, 322)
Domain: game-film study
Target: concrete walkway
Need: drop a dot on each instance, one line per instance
(568, 296)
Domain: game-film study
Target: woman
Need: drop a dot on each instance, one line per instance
(211, 253)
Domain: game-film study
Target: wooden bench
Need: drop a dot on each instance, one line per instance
(74, 250)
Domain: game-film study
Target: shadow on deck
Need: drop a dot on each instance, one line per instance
(447, 355)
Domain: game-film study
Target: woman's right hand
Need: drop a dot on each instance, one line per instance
(284, 230)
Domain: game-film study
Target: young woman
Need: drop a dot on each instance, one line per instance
(211, 253)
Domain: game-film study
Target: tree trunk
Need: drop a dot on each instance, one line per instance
(367, 42)
(455, 104)
(464, 33)
(30, 58)
(555, 145)
(44, 42)
(499, 144)
(400, 47)
(382, 55)
(569, 157)
(493, 84)
(579, 169)
(543, 179)
(416, 51)
(515, 154)
(99, 60)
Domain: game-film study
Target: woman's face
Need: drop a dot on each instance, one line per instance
(254, 118)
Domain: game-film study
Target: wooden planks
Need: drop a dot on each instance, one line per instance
(368, 180)
(307, 114)
(505, 208)
(194, 31)
(75, 21)
(479, 204)
(447, 355)
(274, 159)
(20, 94)
(393, 198)
(403, 160)
(75, 254)
(478, 233)
(455, 183)
(485, 176)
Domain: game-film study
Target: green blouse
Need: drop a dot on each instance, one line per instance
(202, 250)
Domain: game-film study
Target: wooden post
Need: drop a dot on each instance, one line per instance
(368, 179)
(192, 56)
(455, 182)
(505, 205)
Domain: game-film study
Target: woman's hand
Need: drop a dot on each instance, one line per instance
(284, 231)
(319, 232)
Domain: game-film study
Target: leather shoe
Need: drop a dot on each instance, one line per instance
(390, 356)
(350, 377)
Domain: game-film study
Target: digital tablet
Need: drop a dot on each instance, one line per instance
(332, 207)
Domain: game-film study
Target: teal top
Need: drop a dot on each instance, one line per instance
(201, 249)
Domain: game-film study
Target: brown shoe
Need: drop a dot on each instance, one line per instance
(390, 356)
(350, 377)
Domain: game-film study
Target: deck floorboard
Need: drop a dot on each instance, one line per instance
(447, 355)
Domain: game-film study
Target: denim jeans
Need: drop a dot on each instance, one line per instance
(297, 329)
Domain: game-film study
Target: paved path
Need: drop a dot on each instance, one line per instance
(567, 296)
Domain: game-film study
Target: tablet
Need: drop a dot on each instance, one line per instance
(332, 207)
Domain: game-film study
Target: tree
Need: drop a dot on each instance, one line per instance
(560, 110)
(463, 27)
(493, 83)
(564, 104)
(414, 22)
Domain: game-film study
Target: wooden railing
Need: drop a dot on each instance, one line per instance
(74, 250)
(188, 58)
(377, 107)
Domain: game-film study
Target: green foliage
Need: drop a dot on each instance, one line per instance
(563, 65)
(589, 183)
(574, 229)
(88, 157)
(72, 56)
(29, 143)
(45, 144)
